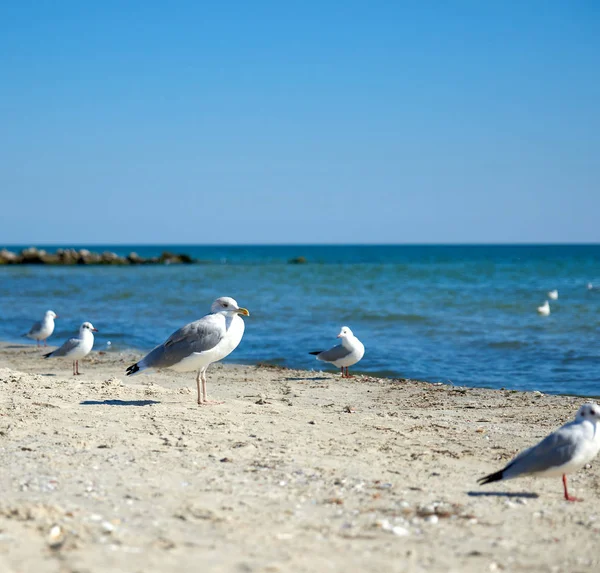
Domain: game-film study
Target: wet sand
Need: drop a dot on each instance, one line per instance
(296, 471)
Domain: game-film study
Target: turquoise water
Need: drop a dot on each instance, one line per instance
(459, 314)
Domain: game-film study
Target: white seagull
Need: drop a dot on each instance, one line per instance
(544, 309)
(197, 345)
(43, 329)
(553, 294)
(348, 353)
(76, 348)
(565, 451)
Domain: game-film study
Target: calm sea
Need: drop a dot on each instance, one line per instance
(459, 314)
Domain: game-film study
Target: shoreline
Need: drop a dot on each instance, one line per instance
(141, 352)
(104, 472)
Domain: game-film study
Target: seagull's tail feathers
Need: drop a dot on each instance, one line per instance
(316, 353)
(134, 369)
(49, 355)
(491, 478)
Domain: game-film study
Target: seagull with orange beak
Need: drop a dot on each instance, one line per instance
(346, 354)
(76, 348)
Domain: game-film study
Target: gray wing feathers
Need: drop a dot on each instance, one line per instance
(333, 354)
(198, 336)
(66, 348)
(553, 451)
(37, 327)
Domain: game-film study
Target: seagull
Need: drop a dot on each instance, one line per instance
(43, 329)
(544, 309)
(348, 353)
(76, 348)
(198, 344)
(590, 286)
(553, 294)
(565, 451)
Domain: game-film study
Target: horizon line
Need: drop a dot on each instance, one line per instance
(416, 244)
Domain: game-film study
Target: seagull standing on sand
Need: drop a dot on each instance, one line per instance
(348, 353)
(565, 451)
(553, 294)
(76, 348)
(544, 309)
(43, 329)
(197, 345)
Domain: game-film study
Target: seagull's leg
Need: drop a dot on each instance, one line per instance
(77, 367)
(74, 374)
(198, 386)
(38, 342)
(205, 400)
(347, 374)
(567, 496)
(45, 343)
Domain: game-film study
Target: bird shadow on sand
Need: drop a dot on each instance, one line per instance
(527, 494)
(118, 402)
(304, 378)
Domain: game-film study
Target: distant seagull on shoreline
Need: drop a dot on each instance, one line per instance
(43, 329)
(553, 294)
(197, 345)
(346, 354)
(76, 348)
(544, 309)
(565, 451)
(590, 286)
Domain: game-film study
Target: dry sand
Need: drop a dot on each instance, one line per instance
(296, 471)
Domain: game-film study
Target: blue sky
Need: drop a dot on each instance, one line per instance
(299, 122)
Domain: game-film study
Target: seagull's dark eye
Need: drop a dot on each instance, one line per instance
(593, 412)
(225, 305)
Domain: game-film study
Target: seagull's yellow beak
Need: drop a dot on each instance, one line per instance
(243, 311)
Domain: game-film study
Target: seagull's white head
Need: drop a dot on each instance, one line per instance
(51, 314)
(589, 411)
(345, 332)
(87, 327)
(227, 305)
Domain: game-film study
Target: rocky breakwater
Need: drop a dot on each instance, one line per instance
(34, 256)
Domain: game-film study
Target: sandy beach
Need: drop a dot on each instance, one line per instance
(296, 471)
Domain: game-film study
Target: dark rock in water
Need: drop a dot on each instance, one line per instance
(134, 258)
(171, 258)
(297, 261)
(8, 257)
(34, 256)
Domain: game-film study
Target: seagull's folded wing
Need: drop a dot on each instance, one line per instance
(335, 353)
(554, 451)
(66, 348)
(196, 337)
(37, 327)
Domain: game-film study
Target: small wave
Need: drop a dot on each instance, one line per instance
(119, 295)
(391, 318)
(507, 344)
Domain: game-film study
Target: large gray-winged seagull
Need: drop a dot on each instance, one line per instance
(198, 344)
